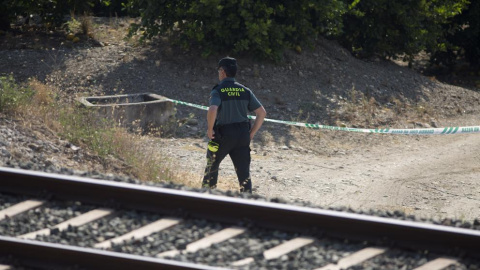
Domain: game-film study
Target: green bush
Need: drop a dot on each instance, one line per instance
(51, 11)
(470, 36)
(388, 28)
(82, 126)
(12, 95)
(109, 8)
(262, 27)
(462, 38)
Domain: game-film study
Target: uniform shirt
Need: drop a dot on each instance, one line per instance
(234, 101)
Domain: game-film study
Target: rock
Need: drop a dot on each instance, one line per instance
(73, 147)
(192, 122)
(70, 36)
(49, 162)
(35, 147)
(5, 153)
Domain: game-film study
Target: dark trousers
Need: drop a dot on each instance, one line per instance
(233, 140)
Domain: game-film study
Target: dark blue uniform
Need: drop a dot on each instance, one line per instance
(232, 132)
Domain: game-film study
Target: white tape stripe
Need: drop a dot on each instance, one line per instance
(5, 267)
(144, 231)
(437, 264)
(418, 131)
(20, 208)
(74, 222)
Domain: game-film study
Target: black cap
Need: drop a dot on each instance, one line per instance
(228, 64)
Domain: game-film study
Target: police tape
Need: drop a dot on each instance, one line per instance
(417, 131)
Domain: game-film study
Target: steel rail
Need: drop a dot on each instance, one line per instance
(305, 220)
(47, 255)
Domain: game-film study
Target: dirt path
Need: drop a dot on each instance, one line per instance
(432, 180)
(429, 176)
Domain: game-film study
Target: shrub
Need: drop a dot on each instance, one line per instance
(81, 126)
(388, 28)
(262, 27)
(52, 11)
(461, 38)
(12, 95)
(38, 103)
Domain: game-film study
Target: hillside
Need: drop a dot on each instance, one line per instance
(427, 176)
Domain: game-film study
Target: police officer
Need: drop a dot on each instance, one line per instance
(229, 128)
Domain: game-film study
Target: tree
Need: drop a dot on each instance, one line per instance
(262, 27)
(52, 11)
(391, 27)
(462, 38)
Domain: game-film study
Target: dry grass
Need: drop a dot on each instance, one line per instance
(358, 107)
(363, 110)
(116, 32)
(82, 128)
(86, 25)
(144, 162)
(43, 106)
(266, 138)
(195, 181)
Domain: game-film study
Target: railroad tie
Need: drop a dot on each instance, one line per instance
(206, 242)
(142, 232)
(20, 208)
(287, 247)
(279, 250)
(74, 222)
(437, 264)
(355, 258)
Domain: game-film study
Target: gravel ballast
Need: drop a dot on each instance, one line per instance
(9, 200)
(252, 243)
(53, 213)
(174, 238)
(100, 230)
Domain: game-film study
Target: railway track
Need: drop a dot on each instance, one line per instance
(55, 221)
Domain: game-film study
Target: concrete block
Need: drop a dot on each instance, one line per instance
(137, 112)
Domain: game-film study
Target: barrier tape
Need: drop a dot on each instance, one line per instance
(418, 131)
